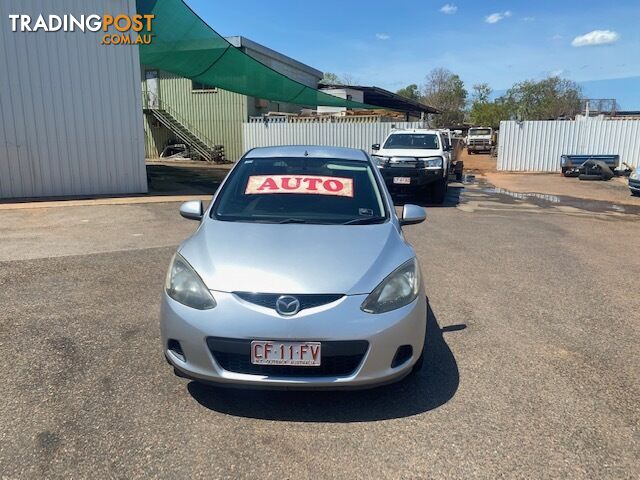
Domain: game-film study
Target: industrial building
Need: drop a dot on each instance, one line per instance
(181, 110)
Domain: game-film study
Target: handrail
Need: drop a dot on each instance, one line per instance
(157, 103)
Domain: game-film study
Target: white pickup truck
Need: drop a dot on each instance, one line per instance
(416, 160)
(479, 139)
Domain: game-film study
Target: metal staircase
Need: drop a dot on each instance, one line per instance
(197, 142)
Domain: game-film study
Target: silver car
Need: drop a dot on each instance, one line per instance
(298, 276)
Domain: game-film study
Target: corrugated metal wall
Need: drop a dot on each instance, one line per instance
(217, 114)
(537, 146)
(340, 134)
(70, 108)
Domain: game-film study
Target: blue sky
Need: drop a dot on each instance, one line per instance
(391, 44)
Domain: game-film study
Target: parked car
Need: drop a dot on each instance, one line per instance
(480, 139)
(298, 276)
(416, 160)
(634, 182)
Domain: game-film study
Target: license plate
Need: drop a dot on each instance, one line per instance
(301, 354)
(402, 180)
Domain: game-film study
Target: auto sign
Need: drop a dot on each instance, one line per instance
(305, 184)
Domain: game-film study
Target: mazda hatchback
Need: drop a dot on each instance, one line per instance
(298, 276)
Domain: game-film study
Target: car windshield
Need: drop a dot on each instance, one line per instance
(412, 140)
(479, 131)
(301, 190)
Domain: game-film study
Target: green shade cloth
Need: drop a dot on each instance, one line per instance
(185, 45)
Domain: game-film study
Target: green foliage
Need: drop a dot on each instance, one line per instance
(445, 91)
(330, 78)
(547, 99)
(488, 114)
(411, 92)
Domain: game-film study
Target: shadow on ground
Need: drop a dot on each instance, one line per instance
(430, 388)
(184, 179)
(452, 199)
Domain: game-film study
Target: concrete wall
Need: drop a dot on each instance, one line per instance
(537, 146)
(70, 108)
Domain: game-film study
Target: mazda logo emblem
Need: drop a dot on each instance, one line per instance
(287, 305)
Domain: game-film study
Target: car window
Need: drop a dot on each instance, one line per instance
(301, 190)
(412, 140)
(479, 131)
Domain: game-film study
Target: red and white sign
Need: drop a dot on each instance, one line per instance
(313, 184)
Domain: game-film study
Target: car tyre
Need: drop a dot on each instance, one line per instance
(438, 191)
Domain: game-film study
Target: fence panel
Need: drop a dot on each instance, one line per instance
(339, 134)
(536, 146)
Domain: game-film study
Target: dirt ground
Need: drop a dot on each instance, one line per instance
(552, 184)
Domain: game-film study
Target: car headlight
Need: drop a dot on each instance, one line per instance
(431, 162)
(380, 161)
(397, 290)
(185, 286)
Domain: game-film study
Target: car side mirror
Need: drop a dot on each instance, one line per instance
(412, 214)
(375, 146)
(192, 210)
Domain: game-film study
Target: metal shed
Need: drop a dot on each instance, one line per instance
(70, 120)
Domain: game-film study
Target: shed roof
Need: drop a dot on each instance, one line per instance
(386, 99)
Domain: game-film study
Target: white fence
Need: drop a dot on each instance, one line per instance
(340, 134)
(537, 146)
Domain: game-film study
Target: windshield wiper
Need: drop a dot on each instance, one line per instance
(364, 221)
(293, 220)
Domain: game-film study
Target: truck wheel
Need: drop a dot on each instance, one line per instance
(438, 191)
(586, 176)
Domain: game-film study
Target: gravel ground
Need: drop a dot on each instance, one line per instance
(532, 367)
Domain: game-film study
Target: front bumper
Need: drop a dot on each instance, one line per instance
(236, 322)
(478, 148)
(419, 177)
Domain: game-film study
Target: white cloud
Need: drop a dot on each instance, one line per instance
(382, 36)
(596, 37)
(496, 17)
(449, 9)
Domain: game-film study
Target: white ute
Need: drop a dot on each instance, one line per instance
(417, 160)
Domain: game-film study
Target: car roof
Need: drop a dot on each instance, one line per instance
(414, 130)
(310, 151)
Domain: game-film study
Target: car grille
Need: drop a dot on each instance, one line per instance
(268, 300)
(338, 359)
(403, 162)
(479, 142)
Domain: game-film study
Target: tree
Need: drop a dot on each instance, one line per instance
(547, 99)
(411, 92)
(330, 78)
(484, 112)
(445, 91)
(488, 114)
(481, 93)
